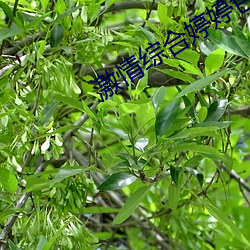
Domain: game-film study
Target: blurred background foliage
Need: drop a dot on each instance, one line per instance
(163, 164)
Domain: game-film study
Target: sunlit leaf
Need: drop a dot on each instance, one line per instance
(225, 42)
(214, 61)
(117, 181)
(162, 12)
(128, 108)
(198, 85)
(202, 114)
(44, 3)
(67, 172)
(8, 180)
(189, 56)
(158, 97)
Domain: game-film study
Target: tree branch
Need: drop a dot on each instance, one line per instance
(21, 44)
(236, 177)
(16, 63)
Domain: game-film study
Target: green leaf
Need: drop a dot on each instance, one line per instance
(173, 196)
(41, 243)
(236, 32)
(117, 181)
(9, 211)
(88, 111)
(49, 110)
(225, 42)
(8, 180)
(214, 61)
(219, 125)
(70, 101)
(227, 223)
(56, 131)
(7, 10)
(216, 110)
(36, 21)
(56, 35)
(188, 105)
(189, 68)
(67, 12)
(174, 172)
(132, 203)
(198, 175)
(177, 74)
(34, 183)
(207, 46)
(202, 114)
(166, 117)
(108, 3)
(66, 172)
(142, 34)
(141, 85)
(193, 132)
(49, 244)
(44, 3)
(197, 85)
(13, 246)
(13, 31)
(204, 150)
(194, 161)
(128, 108)
(189, 56)
(158, 97)
(98, 210)
(244, 45)
(162, 12)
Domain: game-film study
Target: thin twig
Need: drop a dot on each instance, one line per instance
(21, 44)
(235, 176)
(244, 195)
(80, 122)
(148, 14)
(16, 63)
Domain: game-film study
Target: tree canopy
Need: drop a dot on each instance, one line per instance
(124, 124)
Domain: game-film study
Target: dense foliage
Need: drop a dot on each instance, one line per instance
(162, 164)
